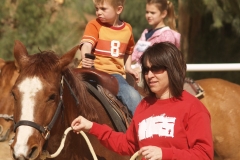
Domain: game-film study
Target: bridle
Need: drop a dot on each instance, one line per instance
(45, 130)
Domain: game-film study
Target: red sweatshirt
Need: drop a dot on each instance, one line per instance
(181, 128)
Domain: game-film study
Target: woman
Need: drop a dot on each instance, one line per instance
(169, 123)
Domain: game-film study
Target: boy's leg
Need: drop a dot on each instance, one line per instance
(127, 94)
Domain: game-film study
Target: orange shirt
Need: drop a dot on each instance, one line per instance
(110, 44)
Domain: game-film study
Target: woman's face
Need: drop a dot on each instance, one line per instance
(157, 80)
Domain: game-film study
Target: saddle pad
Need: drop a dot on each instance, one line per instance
(117, 105)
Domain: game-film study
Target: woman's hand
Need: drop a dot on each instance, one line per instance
(81, 123)
(151, 153)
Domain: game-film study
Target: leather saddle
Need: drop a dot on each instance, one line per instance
(107, 85)
(107, 81)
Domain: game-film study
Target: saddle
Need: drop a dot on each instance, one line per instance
(107, 85)
(193, 88)
(95, 77)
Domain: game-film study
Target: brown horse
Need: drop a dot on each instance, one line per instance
(222, 99)
(44, 108)
(8, 76)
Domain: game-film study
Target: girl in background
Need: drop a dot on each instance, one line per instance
(160, 16)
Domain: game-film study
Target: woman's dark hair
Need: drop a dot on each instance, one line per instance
(168, 55)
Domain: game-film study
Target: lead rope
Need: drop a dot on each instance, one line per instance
(6, 117)
(45, 154)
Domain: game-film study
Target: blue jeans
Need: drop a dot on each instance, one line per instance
(127, 94)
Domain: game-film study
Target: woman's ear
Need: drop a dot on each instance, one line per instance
(119, 9)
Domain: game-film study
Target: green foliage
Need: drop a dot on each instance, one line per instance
(214, 35)
(43, 25)
(134, 13)
(224, 12)
(216, 46)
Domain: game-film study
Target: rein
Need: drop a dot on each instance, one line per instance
(70, 88)
(45, 154)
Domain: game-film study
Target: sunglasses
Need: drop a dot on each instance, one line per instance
(154, 69)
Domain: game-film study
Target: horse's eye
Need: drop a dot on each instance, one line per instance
(52, 97)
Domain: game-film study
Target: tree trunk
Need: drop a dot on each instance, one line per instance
(183, 26)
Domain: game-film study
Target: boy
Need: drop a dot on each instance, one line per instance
(111, 40)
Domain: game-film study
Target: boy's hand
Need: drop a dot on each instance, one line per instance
(86, 49)
(87, 63)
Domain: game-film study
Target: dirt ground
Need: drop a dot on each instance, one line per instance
(5, 151)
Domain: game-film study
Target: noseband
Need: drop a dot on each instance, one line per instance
(45, 130)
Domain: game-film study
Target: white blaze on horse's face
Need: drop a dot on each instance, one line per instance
(28, 88)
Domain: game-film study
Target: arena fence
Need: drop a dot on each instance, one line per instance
(213, 67)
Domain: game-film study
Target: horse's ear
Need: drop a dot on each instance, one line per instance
(20, 54)
(68, 57)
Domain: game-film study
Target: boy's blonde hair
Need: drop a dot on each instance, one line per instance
(114, 3)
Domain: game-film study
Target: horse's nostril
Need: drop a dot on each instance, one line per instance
(19, 158)
(33, 153)
(13, 155)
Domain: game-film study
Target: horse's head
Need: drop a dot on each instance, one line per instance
(8, 76)
(37, 94)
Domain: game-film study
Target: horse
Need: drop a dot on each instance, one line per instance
(222, 99)
(46, 104)
(37, 95)
(8, 76)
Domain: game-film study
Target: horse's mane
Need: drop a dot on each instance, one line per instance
(9, 67)
(85, 108)
(41, 63)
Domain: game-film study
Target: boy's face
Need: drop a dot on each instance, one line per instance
(106, 13)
